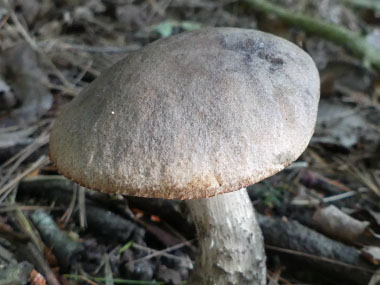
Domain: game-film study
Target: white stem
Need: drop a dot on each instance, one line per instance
(230, 241)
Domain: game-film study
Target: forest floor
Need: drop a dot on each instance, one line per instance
(320, 217)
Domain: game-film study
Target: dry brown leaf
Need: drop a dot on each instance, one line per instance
(337, 224)
(36, 278)
(372, 253)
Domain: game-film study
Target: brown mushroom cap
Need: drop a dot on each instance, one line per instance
(191, 116)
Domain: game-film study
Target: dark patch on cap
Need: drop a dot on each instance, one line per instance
(275, 61)
(245, 46)
(250, 47)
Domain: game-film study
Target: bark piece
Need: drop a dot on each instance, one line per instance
(294, 236)
(16, 274)
(64, 248)
(100, 220)
(107, 224)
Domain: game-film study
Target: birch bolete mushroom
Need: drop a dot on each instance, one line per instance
(195, 116)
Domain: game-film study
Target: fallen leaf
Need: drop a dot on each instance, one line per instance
(342, 125)
(7, 98)
(24, 75)
(375, 215)
(372, 253)
(29, 9)
(337, 224)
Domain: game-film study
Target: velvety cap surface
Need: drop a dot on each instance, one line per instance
(191, 116)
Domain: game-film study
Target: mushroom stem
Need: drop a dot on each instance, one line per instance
(230, 241)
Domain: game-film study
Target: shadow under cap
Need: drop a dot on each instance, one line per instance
(192, 116)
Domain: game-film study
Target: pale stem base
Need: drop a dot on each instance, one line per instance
(231, 249)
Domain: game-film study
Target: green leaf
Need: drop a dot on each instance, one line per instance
(165, 29)
(125, 247)
(190, 25)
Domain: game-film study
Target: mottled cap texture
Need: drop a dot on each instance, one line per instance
(191, 116)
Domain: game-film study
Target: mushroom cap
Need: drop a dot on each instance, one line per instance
(192, 116)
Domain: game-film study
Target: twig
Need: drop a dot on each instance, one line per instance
(321, 258)
(20, 28)
(69, 211)
(107, 270)
(116, 280)
(24, 154)
(353, 41)
(42, 161)
(365, 177)
(82, 207)
(275, 276)
(83, 72)
(35, 256)
(339, 197)
(366, 4)
(160, 252)
(6, 255)
(3, 21)
(87, 280)
(168, 255)
(27, 228)
(90, 49)
(13, 236)
(42, 124)
(14, 207)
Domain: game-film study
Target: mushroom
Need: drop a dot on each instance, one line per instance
(192, 117)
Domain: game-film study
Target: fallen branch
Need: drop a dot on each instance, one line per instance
(107, 224)
(330, 256)
(64, 248)
(100, 220)
(364, 4)
(103, 222)
(353, 41)
(343, 261)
